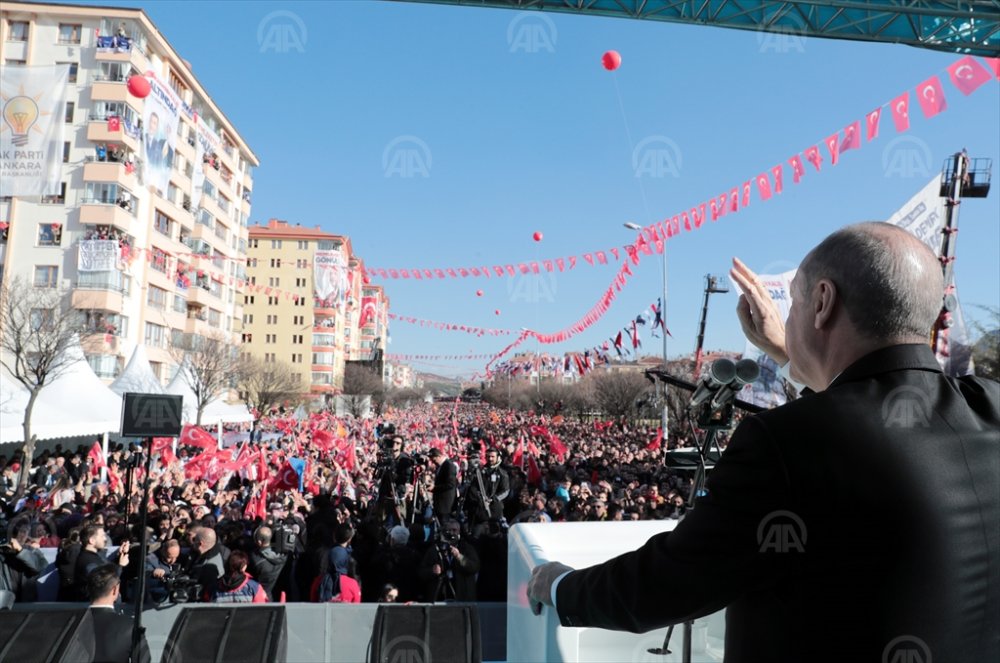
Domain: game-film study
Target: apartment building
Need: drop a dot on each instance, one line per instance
(314, 326)
(180, 244)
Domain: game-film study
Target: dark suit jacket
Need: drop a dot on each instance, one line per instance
(113, 638)
(445, 488)
(861, 523)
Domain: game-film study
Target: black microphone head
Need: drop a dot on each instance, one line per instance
(722, 371)
(747, 371)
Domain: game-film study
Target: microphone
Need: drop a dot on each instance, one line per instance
(720, 374)
(746, 372)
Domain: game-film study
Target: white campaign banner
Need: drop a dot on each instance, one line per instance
(330, 276)
(98, 255)
(923, 215)
(159, 137)
(31, 134)
(769, 389)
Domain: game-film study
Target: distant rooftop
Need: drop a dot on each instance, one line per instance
(278, 229)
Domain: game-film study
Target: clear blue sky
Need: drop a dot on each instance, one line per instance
(521, 141)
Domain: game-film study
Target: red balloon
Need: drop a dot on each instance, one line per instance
(497, 312)
(611, 60)
(537, 236)
(479, 293)
(138, 86)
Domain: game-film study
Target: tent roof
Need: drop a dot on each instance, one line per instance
(138, 376)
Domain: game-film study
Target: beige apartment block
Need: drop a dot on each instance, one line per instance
(147, 301)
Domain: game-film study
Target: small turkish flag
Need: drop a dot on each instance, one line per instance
(114, 124)
(764, 186)
(813, 156)
(833, 144)
(901, 112)
(778, 178)
(931, 97)
(968, 75)
(852, 137)
(193, 436)
(871, 122)
(994, 64)
(798, 170)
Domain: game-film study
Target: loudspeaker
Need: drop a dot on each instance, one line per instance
(58, 636)
(426, 634)
(228, 635)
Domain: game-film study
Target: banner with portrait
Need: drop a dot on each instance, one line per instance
(159, 134)
(33, 108)
(769, 389)
(330, 277)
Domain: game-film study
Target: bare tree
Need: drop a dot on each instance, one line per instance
(265, 386)
(616, 392)
(986, 347)
(209, 366)
(359, 382)
(37, 328)
(405, 397)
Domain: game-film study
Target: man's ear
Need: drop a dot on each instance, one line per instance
(825, 301)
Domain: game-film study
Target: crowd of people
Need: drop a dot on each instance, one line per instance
(414, 506)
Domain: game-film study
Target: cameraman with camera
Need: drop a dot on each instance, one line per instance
(394, 472)
(488, 487)
(162, 566)
(449, 567)
(288, 538)
(266, 563)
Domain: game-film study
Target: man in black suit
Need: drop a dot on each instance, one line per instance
(445, 483)
(112, 632)
(857, 523)
(94, 542)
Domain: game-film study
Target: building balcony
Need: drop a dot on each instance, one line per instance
(107, 214)
(108, 171)
(322, 368)
(115, 91)
(134, 56)
(195, 325)
(106, 297)
(97, 131)
(100, 343)
(201, 297)
(160, 279)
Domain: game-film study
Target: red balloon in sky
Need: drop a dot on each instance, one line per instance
(611, 60)
(138, 86)
(537, 236)
(497, 312)
(479, 293)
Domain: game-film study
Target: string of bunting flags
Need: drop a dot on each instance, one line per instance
(966, 74)
(448, 326)
(406, 357)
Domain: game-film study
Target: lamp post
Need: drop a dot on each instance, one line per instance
(663, 315)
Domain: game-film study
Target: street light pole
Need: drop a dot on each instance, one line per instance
(664, 420)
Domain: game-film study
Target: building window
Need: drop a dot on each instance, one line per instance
(303, 244)
(66, 147)
(275, 243)
(251, 262)
(214, 317)
(46, 276)
(272, 319)
(271, 338)
(158, 260)
(70, 109)
(275, 262)
(69, 33)
(301, 263)
(253, 243)
(156, 297)
(298, 320)
(323, 358)
(155, 336)
(18, 31)
(49, 234)
(327, 245)
(180, 304)
(247, 338)
(162, 223)
(297, 339)
(15, 62)
(300, 283)
(296, 358)
(248, 318)
(269, 358)
(74, 70)
(322, 378)
(58, 199)
(274, 281)
(104, 366)
(272, 301)
(248, 299)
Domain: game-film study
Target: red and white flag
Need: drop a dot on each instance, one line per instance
(931, 97)
(96, 459)
(193, 436)
(901, 112)
(967, 75)
(871, 123)
(994, 64)
(833, 144)
(798, 170)
(764, 186)
(852, 137)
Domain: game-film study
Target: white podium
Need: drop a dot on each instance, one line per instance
(541, 639)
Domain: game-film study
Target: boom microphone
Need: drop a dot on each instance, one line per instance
(746, 372)
(721, 373)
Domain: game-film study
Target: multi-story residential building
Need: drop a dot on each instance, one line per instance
(285, 317)
(181, 261)
(399, 376)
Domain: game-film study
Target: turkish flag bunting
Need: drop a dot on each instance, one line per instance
(439, 273)
(602, 257)
(871, 122)
(813, 156)
(534, 267)
(572, 262)
(510, 270)
(548, 265)
(901, 112)
(614, 252)
(778, 178)
(764, 186)
(193, 436)
(560, 264)
(931, 97)
(833, 144)
(687, 221)
(798, 170)
(852, 137)
(746, 194)
(734, 199)
(589, 258)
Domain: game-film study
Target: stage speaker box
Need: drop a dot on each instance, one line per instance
(244, 634)
(57, 636)
(426, 633)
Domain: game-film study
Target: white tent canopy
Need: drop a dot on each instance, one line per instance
(215, 412)
(74, 404)
(138, 376)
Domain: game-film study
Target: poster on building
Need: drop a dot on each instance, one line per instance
(31, 134)
(207, 146)
(330, 277)
(159, 139)
(769, 389)
(98, 255)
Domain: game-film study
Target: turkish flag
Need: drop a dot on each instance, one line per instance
(556, 446)
(931, 97)
(96, 459)
(798, 170)
(764, 186)
(852, 137)
(833, 144)
(518, 458)
(534, 474)
(901, 112)
(323, 440)
(286, 479)
(813, 156)
(778, 178)
(589, 258)
(994, 64)
(193, 436)
(871, 122)
(746, 194)
(967, 75)
(655, 444)
(114, 123)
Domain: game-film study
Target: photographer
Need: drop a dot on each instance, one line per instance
(488, 487)
(265, 563)
(449, 567)
(288, 538)
(160, 566)
(19, 568)
(445, 483)
(394, 473)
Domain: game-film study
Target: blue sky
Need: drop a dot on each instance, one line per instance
(520, 129)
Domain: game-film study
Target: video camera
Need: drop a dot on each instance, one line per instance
(284, 538)
(181, 588)
(385, 430)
